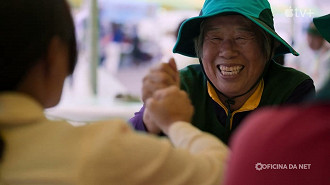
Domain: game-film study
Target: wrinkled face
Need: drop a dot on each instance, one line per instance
(232, 53)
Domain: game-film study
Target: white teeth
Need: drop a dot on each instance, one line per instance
(233, 70)
(229, 73)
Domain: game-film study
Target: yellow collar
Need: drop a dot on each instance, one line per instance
(251, 104)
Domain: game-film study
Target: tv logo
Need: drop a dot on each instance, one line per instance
(297, 12)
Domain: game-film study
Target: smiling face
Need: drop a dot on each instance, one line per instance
(232, 53)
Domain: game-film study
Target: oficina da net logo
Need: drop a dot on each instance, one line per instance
(260, 166)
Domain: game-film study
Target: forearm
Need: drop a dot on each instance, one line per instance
(184, 135)
(209, 152)
(198, 158)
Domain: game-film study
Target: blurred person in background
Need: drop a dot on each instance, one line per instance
(37, 52)
(285, 145)
(315, 57)
(235, 42)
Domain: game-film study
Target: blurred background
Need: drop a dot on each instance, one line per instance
(119, 40)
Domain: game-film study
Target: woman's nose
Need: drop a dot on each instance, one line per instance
(228, 49)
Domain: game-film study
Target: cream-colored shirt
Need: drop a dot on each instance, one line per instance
(40, 151)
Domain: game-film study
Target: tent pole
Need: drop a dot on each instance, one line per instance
(94, 44)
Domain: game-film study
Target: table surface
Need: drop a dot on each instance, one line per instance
(90, 110)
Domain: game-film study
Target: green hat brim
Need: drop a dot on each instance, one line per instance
(323, 26)
(191, 27)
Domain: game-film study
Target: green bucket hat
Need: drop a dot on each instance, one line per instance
(323, 26)
(258, 11)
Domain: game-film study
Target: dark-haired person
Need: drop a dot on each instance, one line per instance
(285, 145)
(235, 42)
(37, 52)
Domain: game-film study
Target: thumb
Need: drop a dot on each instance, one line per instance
(173, 65)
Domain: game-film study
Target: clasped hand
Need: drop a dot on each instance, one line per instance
(164, 102)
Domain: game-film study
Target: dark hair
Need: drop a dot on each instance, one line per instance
(26, 29)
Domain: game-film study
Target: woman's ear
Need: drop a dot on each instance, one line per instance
(56, 57)
(276, 44)
(56, 70)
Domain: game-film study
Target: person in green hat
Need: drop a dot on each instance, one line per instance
(315, 57)
(295, 137)
(235, 42)
(323, 26)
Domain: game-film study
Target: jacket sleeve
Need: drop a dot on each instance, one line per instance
(130, 158)
(303, 92)
(137, 120)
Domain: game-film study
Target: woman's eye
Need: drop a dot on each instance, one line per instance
(240, 38)
(216, 38)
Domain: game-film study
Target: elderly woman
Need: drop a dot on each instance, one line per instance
(235, 41)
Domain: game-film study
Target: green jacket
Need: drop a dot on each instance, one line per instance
(281, 85)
